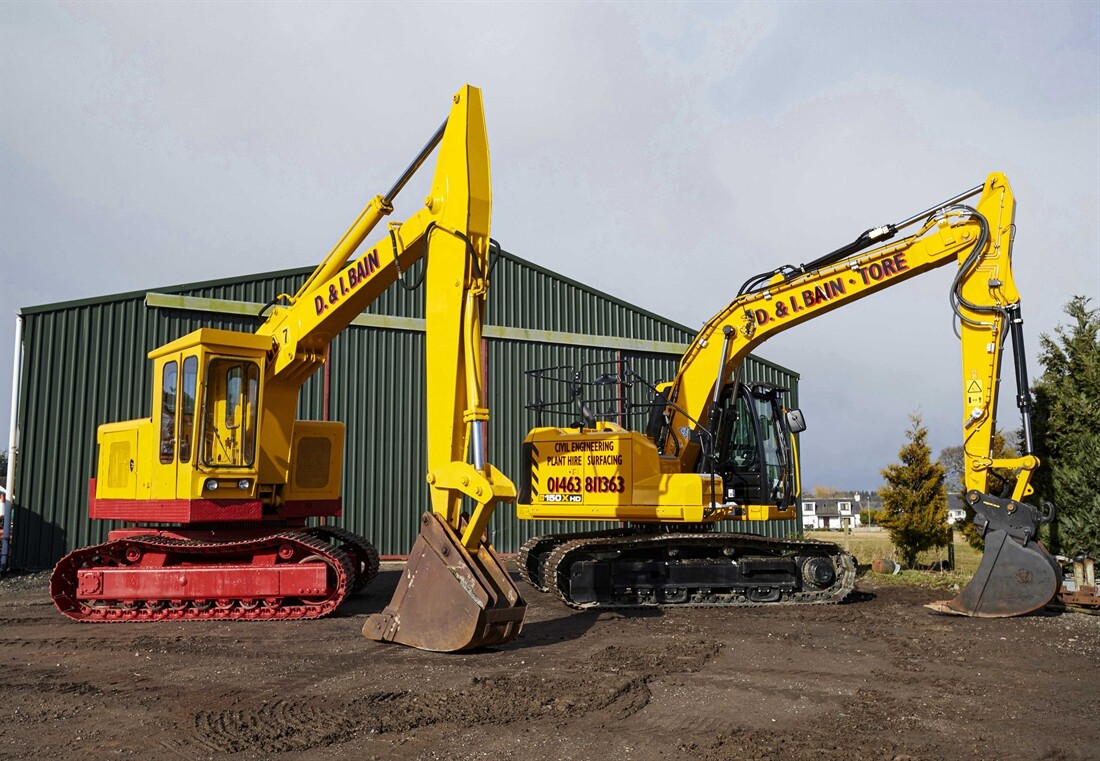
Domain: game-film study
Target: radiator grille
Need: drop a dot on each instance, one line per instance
(311, 471)
(118, 469)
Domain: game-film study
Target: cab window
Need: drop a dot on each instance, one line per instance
(188, 387)
(168, 413)
(771, 433)
(738, 446)
(230, 410)
(252, 409)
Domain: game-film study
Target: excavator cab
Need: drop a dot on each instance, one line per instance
(754, 451)
(199, 458)
(198, 448)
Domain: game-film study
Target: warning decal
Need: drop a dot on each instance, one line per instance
(974, 393)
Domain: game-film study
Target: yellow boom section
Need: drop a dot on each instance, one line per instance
(950, 234)
(452, 230)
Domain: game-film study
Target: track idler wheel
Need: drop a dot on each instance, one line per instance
(1016, 575)
(449, 599)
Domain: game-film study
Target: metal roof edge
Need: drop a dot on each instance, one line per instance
(626, 304)
(141, 294)
(154, 300)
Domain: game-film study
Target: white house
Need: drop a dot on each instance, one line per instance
(955, 511)
(830, 513)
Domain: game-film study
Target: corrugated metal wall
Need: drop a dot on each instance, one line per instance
(84, 364)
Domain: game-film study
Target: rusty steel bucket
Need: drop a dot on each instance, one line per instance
(1016, 575)
(449, 599)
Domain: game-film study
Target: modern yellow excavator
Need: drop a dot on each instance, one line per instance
(718, 448)
(224, 462)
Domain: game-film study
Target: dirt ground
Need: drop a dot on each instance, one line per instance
(877, 678)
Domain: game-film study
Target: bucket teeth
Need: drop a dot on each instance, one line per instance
(449, 599)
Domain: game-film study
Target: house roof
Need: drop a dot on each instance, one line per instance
(829, 507)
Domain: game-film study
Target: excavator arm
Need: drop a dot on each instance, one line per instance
(452, 226)
(454, 593)
(1016, 575)
(977, 238)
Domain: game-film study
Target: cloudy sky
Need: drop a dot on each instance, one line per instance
(660, 152)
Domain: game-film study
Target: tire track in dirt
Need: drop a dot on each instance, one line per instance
(293, 725)
(284, 725)
(614, 683)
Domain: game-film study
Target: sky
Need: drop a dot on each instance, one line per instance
(659, 152)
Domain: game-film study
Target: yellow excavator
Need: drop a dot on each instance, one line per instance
(221, 479)
(718, 448)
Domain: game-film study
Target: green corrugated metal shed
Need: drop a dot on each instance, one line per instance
(84, 363)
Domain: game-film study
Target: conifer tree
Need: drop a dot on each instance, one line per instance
(1067, 430)
(914, 500)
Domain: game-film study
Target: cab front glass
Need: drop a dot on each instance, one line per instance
(230, 410)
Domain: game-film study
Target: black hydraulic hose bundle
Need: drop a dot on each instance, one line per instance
(397, 262)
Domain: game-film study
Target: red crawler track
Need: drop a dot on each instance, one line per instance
(289, 575)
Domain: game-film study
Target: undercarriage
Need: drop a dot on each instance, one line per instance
(643, 566)
(154, 574)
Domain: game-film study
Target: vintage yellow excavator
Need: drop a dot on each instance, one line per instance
(224, 463)
(718, 448)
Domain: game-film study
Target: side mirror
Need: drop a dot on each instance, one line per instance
(795, 421)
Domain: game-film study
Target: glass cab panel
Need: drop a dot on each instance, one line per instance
(772, 449)
(187, 407)
(168, 412)
(230, 410)
(752, 447)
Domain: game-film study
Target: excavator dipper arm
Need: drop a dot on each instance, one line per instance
(455, 594)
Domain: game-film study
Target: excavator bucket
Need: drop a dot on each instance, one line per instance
(1011, 580)
(1016, 575)
(449, 599)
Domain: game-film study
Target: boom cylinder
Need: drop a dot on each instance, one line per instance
(1019, 361)
(712, 422)
(368, 219)
(421, 157)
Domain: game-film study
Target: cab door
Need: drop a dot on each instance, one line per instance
(174, 425)
(230, 413)
(740, 455)
(755, 448)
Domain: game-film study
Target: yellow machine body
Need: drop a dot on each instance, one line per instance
(223, 446)
(685, 468)
(662, 481)
(610, 473)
